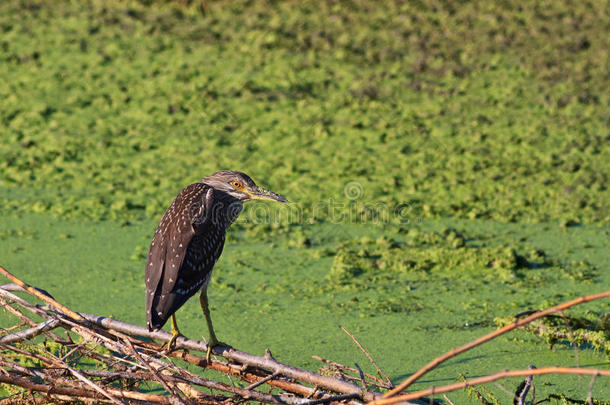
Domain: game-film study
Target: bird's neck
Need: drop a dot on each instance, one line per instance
(226, 207)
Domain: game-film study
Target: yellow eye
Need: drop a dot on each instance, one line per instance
(237, 184)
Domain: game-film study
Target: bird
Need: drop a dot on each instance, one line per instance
(188, 242)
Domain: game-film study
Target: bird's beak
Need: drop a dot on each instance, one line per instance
(259, 193)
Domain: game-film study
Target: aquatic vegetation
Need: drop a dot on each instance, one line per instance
(109, 108)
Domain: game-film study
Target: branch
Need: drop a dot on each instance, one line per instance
(490, 378)
(246, 359)
(366, 353)
(30, 333)
(434, 363)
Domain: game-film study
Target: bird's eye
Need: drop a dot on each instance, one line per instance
(237, 184)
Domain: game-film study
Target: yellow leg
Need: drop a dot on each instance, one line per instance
(175, 333)
(203, 299)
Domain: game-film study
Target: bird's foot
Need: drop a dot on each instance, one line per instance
(212, 343)
(171, 344)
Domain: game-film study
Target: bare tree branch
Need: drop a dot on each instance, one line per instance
(30, 333)
(490, 378)
(452, 353)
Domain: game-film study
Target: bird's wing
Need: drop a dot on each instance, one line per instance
(188, 214)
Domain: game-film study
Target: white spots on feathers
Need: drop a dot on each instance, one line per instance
(190, 237)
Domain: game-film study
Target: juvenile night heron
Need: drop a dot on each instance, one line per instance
(189, 241)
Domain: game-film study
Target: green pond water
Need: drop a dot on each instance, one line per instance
(407, 293)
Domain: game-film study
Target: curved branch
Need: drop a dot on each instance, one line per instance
(490, 378)
(452, 353)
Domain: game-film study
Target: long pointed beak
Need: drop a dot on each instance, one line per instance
(259, 193)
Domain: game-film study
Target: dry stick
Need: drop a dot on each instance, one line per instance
(448, 400)
(75, 349)
(262, 381)
(491, 378)
(93, 385)
(79, 392)
(19, 314)
(47, 362)
(381, 373)
(236, 371)
(41, 373)
(5, 304)
(41, 296)
(434, 363)
(180, 383)
(590, 390)
(245, 393)
(30, 333)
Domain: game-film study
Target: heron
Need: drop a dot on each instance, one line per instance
(189, 241)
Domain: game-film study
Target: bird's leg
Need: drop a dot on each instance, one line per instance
(175, 333)
(213, 341)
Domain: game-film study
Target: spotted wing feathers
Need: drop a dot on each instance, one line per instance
(185, 219)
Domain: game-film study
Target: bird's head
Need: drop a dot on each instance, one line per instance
(239, 185)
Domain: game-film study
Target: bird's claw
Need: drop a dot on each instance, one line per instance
(212, 343)
(171, 343)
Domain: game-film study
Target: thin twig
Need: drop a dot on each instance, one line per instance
(366, 353)
(91, 384)
(262, 381)
(447, 399)
(590, 390)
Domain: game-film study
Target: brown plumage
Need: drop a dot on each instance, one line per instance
(189, 241)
